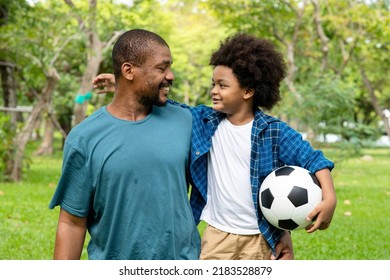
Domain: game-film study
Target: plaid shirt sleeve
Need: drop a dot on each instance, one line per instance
(296, 151)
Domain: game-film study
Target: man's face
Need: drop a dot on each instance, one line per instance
(155, 77)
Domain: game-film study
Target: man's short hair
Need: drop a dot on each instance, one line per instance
(134, 46)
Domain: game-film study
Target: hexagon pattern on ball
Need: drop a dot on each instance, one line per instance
(288, 195)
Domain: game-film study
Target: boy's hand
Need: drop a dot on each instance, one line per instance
(321, 215)
(104, 82)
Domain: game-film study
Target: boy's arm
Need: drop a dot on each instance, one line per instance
(105, 83)
(70, 236)
(325, 209)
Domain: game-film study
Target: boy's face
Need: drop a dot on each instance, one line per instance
(226, 93)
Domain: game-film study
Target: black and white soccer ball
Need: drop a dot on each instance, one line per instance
(287, 195)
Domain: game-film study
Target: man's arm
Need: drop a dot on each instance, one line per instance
(70, 236)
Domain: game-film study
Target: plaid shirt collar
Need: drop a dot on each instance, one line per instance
(260, 121)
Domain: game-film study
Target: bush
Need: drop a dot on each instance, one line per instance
(7, 134)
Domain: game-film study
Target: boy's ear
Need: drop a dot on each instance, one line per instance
(249, 92)
(128, 71)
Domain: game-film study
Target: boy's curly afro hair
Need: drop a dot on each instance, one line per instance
(256, 64)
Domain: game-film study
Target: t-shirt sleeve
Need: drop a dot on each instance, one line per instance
(74, 190)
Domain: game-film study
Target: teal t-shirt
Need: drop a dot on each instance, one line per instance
(130, 180)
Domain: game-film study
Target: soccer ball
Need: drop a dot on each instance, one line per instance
(287, 195)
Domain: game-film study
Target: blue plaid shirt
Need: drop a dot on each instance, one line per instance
(274, 144)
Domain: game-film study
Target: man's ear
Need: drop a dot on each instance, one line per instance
(248, 93)
(128, 71)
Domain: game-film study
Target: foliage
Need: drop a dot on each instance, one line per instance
(33, 42)
(359, 31)
(329, 106)
(191, 51)
(7, 134)
(64, 100)
(8, 148)
(355, 32)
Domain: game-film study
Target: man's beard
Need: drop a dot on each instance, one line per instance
(151, 100)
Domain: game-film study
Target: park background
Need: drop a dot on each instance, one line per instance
(336, 93)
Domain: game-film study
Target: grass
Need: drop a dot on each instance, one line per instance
(27, 225)
(359, 230)
(360, 227)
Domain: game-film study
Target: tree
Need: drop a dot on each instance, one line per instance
(37, 44)
(8, 68)
(358, 31)
(191, 46)
(107, 22)
(323, 39)
(95, 48)
(373, 61)
(37, 53)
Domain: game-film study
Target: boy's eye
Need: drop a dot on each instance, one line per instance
(220, 85)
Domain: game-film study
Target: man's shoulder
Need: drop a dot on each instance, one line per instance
(89, 125)
(172, 114)
(173, 108)
(198, 109)
(92, 117)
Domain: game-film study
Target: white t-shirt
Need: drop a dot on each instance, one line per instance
(229, 196)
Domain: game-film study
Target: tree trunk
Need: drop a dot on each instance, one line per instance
(94, 59)
(374, 100)
(9, 92)
(95, 48)
(24, 135)
(46, 147)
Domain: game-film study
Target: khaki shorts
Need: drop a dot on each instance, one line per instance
(220, 245)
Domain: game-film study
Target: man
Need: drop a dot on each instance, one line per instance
(124, 176)
(254, 246)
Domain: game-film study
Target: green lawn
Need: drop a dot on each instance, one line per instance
(361, 225)
(359, 231)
